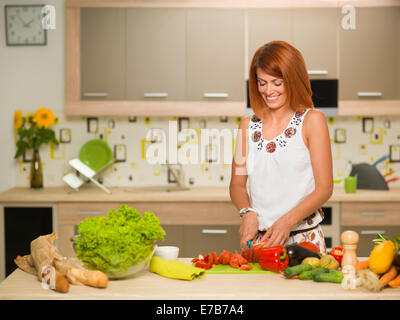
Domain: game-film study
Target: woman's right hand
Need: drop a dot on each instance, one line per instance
(248, 229)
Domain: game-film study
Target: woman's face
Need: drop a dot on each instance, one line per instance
(271, 89)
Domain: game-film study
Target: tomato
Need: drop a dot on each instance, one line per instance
(246, 267)
(234, 263)
(309, 245)
(224, 257)
(215, 258)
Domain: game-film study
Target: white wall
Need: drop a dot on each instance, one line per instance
(30, 76)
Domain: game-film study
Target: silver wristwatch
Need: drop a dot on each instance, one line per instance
(243, 211)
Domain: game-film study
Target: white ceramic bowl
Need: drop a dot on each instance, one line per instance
(167, 252)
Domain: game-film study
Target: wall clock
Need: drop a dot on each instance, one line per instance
(24, 25)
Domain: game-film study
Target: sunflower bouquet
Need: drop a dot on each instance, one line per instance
(34, 130)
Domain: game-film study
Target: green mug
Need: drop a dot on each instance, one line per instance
(350, 184)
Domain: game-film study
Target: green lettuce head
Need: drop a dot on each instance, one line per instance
(117, 241)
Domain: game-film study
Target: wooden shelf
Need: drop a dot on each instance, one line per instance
(230, 3)
(156, 108)
(369, 107)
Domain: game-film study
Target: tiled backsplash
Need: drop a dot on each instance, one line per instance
(355, 139)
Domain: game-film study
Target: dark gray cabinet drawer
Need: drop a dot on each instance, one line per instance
(173, 237)
(205, 239)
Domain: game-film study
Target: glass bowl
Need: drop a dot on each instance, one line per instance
(132, 270)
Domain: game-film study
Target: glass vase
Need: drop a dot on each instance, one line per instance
(36, 171)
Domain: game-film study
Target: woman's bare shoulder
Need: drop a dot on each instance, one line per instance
(314, 119)
(244, 122)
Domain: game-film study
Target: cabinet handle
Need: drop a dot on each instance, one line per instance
(215, 95)
(369, 94)
(372, 213)
(214, 231)
(369, 232)
(89, 212)
(317, 72)
(156, 95)
(95, 94)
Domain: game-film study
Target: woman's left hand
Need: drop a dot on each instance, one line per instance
(278, 233)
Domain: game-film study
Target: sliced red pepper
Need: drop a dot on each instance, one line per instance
(337, 253)
(256, 249)
(198, 258)
(203, 265)
(274, 258)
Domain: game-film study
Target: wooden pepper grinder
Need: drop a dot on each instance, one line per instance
(349, 241)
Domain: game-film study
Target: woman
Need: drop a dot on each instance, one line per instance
(284, 152)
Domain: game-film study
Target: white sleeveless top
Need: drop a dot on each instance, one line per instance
(280, 173)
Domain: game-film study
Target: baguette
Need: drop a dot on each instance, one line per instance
(93, 278)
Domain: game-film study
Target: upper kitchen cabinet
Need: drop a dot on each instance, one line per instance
(315, 35)
(265, 25)
(103, 53)
(155, 49)
(369, 56)
(215, 55)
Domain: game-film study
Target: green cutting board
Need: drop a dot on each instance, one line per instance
(223, 268)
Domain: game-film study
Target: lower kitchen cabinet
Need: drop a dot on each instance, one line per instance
(368, 219)
(186, 224)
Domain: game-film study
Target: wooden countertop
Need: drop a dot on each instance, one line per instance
(150, 286)
(197, 194)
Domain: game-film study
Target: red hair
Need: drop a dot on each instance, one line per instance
(282, 60)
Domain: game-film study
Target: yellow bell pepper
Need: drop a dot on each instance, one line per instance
(381, 257)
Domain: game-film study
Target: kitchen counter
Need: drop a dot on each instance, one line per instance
(151, 286)
(197, 194)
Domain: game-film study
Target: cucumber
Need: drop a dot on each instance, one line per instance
(295, 270)
(308, 275)
(330, 276)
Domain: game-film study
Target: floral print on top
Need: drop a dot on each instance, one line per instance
(279, 142)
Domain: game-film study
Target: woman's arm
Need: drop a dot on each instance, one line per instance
(237, 188)
(316, 138)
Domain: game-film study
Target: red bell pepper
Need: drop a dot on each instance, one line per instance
(337, 253)
(274, 258)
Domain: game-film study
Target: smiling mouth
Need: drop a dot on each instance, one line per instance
(273, 98)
